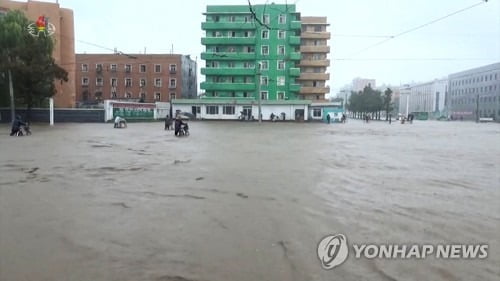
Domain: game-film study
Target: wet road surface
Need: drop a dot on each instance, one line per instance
(239, 201)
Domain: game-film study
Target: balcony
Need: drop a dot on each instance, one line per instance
(212, 86)
(227, 56)
(314, 76)
(315, 49)
(228, 41)
(315, 35)
(314, 90)
(294, 87)
(294, 40)
(324, 62)
(227, 71)
(297, 25)
(295, 56)
(228, 25)
(294, 71)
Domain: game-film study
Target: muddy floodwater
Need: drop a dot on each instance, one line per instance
(244, 202)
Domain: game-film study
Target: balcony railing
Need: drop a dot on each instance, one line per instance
(228, 25)
(314, 76)
(228, 41)
(314, 90)
(213, 86)
(227, 71)
(295, 25)
(294, 71)
(294, 40)
(315, 49)
(325, 62)
(227, 56)
(315, 35)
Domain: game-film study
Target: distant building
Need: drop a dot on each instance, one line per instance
(314, 49)
(475, 93)
(64, 43)
(426, 97)
(358, 84)
(138, 77)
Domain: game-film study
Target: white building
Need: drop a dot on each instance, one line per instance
(424, 97)
(358, 84)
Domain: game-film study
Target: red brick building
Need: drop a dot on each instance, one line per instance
(137, 77)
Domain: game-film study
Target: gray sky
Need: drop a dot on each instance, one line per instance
(462, 41)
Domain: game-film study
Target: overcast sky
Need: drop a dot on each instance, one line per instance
(465, 40)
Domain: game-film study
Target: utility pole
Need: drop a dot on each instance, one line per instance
(260, 103)
(477, 108)
(11, 91)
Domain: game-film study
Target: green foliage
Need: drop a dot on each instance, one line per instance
(367, 101)
(29, 59)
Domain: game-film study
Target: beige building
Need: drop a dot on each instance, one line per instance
(137, 77)
(314, 62)
(64, 48)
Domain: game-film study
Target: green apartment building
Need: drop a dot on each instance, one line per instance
(251, 51)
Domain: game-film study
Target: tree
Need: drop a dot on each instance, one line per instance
(387, 102)
(28, 60)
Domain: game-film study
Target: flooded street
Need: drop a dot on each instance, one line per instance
(243, 201)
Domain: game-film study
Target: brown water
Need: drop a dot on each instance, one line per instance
(239, 201)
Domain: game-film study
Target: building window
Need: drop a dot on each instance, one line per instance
(99, 81)
(85, 67)
(143, 97)
(98, 67)
(281, 81)
(316, 112)
(85, 81)
(281, 95)
(128, 95)
(231, 64)
(281, 65)
(173, 83)
(157, 96)
(318, 28)
(265, 50)
(128, 68)
(113, 94)
(265, 34)
(157, 68)
(143, 82)
(249, 49)
(232, 18)
(263, 95)
(248, 34)
(172, 96)
(245, 94)
(173, 68)
(282, 19)
(112, 67)
(281, 34)
(281, 50)
(142, 68)
(247, 19)
(264, 80)
(231, 34)
(264, 65)
(158, 82)
(216, 18)
(228, 110)
(212, 109)
(266, 19)
(128, 82)
(113, 82)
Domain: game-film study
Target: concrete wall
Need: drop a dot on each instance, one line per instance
(60, 115)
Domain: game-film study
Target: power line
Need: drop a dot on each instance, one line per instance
(417, 27)
(412, 59)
